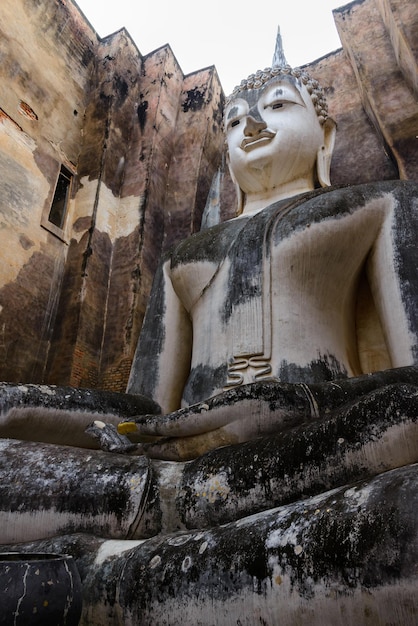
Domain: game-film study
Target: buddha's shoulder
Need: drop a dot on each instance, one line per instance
(210, 244)
(214, 243)
(342, 200)
(367, 191)
(350, 196)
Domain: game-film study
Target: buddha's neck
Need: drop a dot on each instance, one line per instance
(256, 202)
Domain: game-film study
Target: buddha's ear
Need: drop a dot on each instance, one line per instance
(324, 155)
(238, 190)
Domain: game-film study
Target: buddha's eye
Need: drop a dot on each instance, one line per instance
(274, 105)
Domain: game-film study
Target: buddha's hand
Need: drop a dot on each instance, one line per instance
(234, 416)
(250, 411)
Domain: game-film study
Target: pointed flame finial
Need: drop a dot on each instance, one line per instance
(279, 59)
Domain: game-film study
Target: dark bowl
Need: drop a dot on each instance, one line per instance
(42, 589)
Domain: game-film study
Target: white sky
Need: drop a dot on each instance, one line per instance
(236, 36)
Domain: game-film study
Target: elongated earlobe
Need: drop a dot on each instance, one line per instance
(324, 155)
(323, 167)
(238, 190)
(240, 199)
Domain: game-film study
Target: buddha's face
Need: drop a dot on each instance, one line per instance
(273, 135)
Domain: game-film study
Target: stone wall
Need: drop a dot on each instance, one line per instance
(47, 54)
(144, 142)
(380, 43)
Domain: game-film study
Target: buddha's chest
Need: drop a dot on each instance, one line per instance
(318, 262)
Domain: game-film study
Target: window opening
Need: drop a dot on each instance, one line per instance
(60, 200)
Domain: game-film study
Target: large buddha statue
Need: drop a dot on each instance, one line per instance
(306, 285)
(271, 476)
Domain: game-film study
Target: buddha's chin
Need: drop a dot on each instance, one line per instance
(263, 174)
(258, 160)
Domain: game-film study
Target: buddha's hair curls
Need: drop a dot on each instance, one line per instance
(257, 80)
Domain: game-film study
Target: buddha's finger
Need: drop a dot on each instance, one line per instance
(188, 448)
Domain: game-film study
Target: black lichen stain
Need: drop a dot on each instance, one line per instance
(152, 338)
(208, 245)
(202, 381)
(245, 280)
(218, 113)
(142, 113)
(366, 549)
(97, 498)
(325, 368)
(121, 87)
(232, 561)
(194, 100)
(405, 226)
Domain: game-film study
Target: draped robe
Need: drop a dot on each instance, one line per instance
(317, 287)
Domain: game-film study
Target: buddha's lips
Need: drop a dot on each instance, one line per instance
(248, 143)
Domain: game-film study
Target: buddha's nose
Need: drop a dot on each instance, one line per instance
(254, 124)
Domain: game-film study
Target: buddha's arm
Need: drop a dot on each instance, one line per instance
(162, 360)
(254, 410)
(393, 274)
(61, 414)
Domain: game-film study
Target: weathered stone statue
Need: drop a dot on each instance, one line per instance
(304, 286)
(299, 493)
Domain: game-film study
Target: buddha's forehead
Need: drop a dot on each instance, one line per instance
(277, 83)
